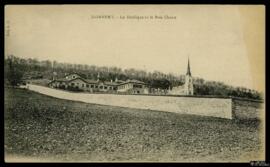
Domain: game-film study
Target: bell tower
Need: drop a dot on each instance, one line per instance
(188, 81)
(98, 77)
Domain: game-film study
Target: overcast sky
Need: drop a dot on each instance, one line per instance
(213, 37)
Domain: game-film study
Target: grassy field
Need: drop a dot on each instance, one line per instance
(46, 128)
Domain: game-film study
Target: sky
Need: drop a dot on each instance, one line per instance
(223, 42)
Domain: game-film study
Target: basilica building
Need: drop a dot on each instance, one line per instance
(185, 89)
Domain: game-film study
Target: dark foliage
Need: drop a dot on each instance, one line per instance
(74, 89)
(160, 83)
(13, 72)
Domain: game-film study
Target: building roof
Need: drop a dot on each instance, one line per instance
(90, 81)
(111, 83)
(72, 74)
(104, 82)
(132, 81)
(59, 80)
(77, 78)
(62, 79)
(119, 81)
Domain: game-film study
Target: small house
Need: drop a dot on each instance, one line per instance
(133, 87)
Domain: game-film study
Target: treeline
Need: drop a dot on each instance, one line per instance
(35, 69)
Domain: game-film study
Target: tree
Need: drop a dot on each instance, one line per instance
(160, 83)
(13, 73)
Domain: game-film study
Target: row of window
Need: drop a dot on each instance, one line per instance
(105, 87)
(130, 86)
(125, 86)
(95, 86)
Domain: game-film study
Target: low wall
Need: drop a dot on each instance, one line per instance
(216, 107)
(246, 109)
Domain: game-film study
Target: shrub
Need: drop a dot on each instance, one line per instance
(74, 89)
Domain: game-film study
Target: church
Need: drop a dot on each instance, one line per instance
(185, 89)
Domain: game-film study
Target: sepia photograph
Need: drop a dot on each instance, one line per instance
(134, 83)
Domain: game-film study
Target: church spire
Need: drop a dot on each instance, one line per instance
(188, 69)
(98, 77)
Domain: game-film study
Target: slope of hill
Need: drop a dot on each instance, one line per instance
(50, 129)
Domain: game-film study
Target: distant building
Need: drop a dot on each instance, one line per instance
(119, 81)
(187, 88)
(75, 81)
(158, 91)
(133, 87)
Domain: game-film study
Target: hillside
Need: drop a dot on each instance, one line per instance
(52, 129)
(18, 68)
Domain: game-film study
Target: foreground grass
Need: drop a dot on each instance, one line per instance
(47, 128)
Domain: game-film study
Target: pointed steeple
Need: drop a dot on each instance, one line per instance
(188, 69)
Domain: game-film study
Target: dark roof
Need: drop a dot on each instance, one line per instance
(72, 74)
(120, 81)
(59, 80)
(91, 81)
(77, 78)
(133, 81)
(111, 83)
(69, 80)
(62, 79)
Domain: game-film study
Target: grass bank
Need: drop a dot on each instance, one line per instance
(46, 128)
